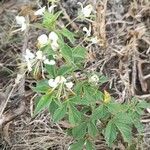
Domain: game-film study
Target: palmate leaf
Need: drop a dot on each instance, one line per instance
(43, 103)
(110, 132)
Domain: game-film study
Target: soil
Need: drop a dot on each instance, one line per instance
(123, 55)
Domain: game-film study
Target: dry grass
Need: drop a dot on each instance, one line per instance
(123, 55)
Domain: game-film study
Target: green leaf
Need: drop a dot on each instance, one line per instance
(114, 108)
(143, 104)
(74, 115)
(79, 131)
(51, 70)
(65, 70)
(79, 54)
(103, 79)
(52, 107)
(49, 20)
(41, 87)
(66, 52)
(60, 113)
(123, 117)
(110, 132)
(43, 103)
(125, 131)
(89, 145)
(69, 35)
(92, 129)
(100, 113)
(78, 145)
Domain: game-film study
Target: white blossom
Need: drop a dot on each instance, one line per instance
(88, 31)
(40, 56)
(51, 8)
(69, 85)
(52, 83)
(60, 79)
(18, 78)
(21, 22)
(49, 62)
(87, 10)
(40, 11)
(94, 40)
(29, 54)
(42, 40)
(53, 37)
(94, 79)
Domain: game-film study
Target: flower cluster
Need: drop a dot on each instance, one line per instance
(31, 59)
(59, 80)
(52, 39)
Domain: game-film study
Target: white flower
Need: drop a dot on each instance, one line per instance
(94, 79)
(29, 54)
(52, 83)
(42, 40)
(53, 37)
(51, 8)
(40, 11)
(22, 22)
(87, 10)
(18, 78)
(49, 62)
(55, 82)
(40, 56)
(88, 31)
(69, 85)
(60, 79)
(94, 40)
(54, 46)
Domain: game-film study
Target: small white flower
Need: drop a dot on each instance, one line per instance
(60, 79)
(54, 46)
(18, 78)
(40, 56)
(69, 85)
(94, 79)
(40, 11)
(53, 37)
(29, 54)
(49, 62)
(88, 31)
(51, 8)
(42, 40)
(22, 22)
(87, 10)
(94, 40)
(52, 83)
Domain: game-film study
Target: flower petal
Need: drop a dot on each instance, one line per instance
(40, 11)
